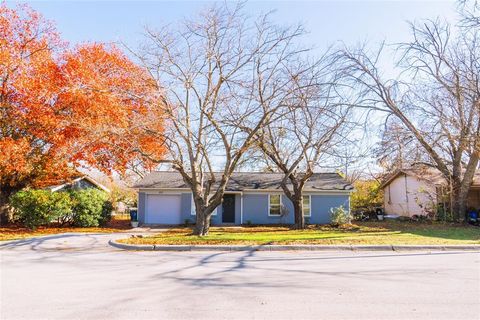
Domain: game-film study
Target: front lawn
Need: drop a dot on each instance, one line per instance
(14, 232)
(361, 233)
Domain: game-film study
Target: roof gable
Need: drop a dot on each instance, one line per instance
(78, 182)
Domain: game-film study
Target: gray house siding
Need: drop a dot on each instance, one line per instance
(142, 201)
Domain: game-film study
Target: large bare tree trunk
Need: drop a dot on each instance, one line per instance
(296, 196)
(460, 204)
(298, 211)
(460, 199)
(202, 225)
(461, 187)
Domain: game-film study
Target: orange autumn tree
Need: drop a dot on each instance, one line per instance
(64, 107)
(29, 80)
(115, 108)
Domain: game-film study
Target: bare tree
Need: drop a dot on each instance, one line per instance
(398, 148)
(224, 75)
(436, 97)
(469, 11)
(311, 124)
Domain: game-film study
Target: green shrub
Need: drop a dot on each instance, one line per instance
(106, 216)
(91, 208)
(443, 214)
(339, 216)
(39, 207)
(84, 208)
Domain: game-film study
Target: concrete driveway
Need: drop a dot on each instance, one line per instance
(75, 276)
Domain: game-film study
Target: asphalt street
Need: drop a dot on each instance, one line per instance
(79, 276)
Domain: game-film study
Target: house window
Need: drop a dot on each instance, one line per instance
(274, 205)
(193, 211)
(306, 201)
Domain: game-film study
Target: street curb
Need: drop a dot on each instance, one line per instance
(145, 247)
(466, 247)
(140, 247)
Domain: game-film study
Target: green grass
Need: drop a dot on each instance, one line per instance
(369, 233)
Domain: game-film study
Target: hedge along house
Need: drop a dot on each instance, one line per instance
(256, 198)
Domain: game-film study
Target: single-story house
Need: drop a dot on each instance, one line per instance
(250, 197)
(77, 183)
(418, 191)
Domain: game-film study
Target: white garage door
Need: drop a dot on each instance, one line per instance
(163, 209)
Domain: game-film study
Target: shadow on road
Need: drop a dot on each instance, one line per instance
(57, 243)
(220, 270)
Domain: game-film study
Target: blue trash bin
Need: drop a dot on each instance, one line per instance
(473, 217)
(133, 214)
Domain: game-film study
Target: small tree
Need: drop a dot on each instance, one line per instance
(367, 194)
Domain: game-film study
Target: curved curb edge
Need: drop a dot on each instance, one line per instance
(139, 247)
(145, 247)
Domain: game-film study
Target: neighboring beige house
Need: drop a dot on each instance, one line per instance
(417, 191)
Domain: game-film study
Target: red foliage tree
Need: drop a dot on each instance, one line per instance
(63, 107)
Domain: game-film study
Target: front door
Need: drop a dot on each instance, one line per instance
(228, 215)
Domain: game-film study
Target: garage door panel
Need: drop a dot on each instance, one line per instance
(163, 209)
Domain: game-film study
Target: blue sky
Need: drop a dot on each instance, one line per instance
(327, 21)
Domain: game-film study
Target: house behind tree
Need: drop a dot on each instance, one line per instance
(420, 191)
(78, 183)
(250, 197)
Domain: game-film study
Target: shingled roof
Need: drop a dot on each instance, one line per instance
(246, 180)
